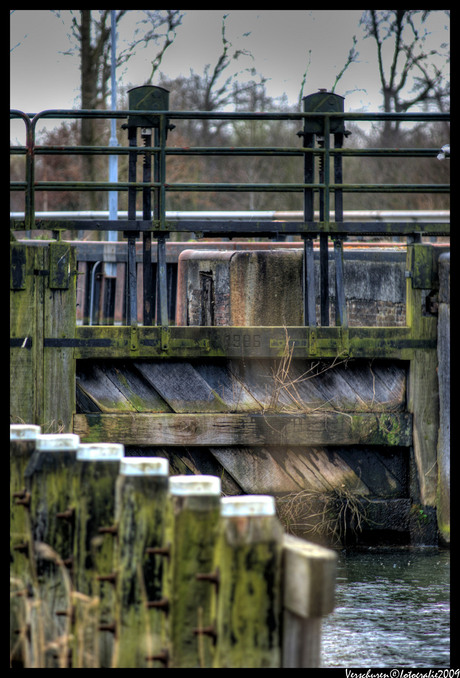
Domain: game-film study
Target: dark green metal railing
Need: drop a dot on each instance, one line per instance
(316, 146)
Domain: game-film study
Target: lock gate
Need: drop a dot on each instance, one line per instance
(240, 399)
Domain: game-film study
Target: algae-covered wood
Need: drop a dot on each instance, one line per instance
(308, 585)
(247, 603)
(256, 385)
(93, 560)
(192, 517)
(26, 332)
(140, 509)
(59, 321)
(22, 446)
(42, 311)
(50, 479)
(318, 428)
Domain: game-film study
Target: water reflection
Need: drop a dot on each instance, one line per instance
(392, 610)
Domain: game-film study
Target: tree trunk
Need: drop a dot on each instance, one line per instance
(88, 101)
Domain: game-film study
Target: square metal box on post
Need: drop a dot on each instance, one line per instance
(147, 98)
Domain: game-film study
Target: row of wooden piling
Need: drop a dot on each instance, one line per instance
(116, 564)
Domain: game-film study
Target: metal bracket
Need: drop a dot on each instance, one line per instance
(134, 338)
(18, 267)
(165, 338)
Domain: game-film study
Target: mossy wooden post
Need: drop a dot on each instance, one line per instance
(42, 315)
(192, 516)
(443, 494)
(423, 391)
(94, 552)
(140, 498)
(22, 446)
(308, 591)
(50, 480)
(247, 598)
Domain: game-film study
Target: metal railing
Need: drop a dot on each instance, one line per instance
(155, 221)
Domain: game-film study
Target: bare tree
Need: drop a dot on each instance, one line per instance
(217, 87)
(90, 30)
(403, 35)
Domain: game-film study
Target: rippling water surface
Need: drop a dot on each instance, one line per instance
(392, 610)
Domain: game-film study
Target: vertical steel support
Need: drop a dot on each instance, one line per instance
(341, 317)
(162, 287)
(29, 206)
(149, 296)
(131, 283)
(324, 216)
(322, 127)
(309, 283)
(309, 300)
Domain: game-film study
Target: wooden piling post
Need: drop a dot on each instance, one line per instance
(140, 498)
(423, 391)
(247, 601)
(192, 517)
(22, 446)
(308, 586)
(443, 455)
(93, 557)
(49, 480)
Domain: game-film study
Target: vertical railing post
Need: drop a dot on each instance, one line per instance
(341, 317)
(162, 284)
(131, 272)
(324, 208)
(140, 499)
(308, 278)
(147, 278)
(322, 127)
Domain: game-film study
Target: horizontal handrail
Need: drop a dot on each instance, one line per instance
(325, 186)
(440, 216)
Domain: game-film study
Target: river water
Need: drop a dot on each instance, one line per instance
(392, 610)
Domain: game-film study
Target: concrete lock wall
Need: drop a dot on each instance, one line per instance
(264, 287)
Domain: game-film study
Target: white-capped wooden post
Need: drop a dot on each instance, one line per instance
(308, 589)
(49, 478)
(22, 446)
(192, 517)
(94, 578)
(140, 500)
(247, 601)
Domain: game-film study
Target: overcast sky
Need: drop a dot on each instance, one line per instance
(42, 77)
